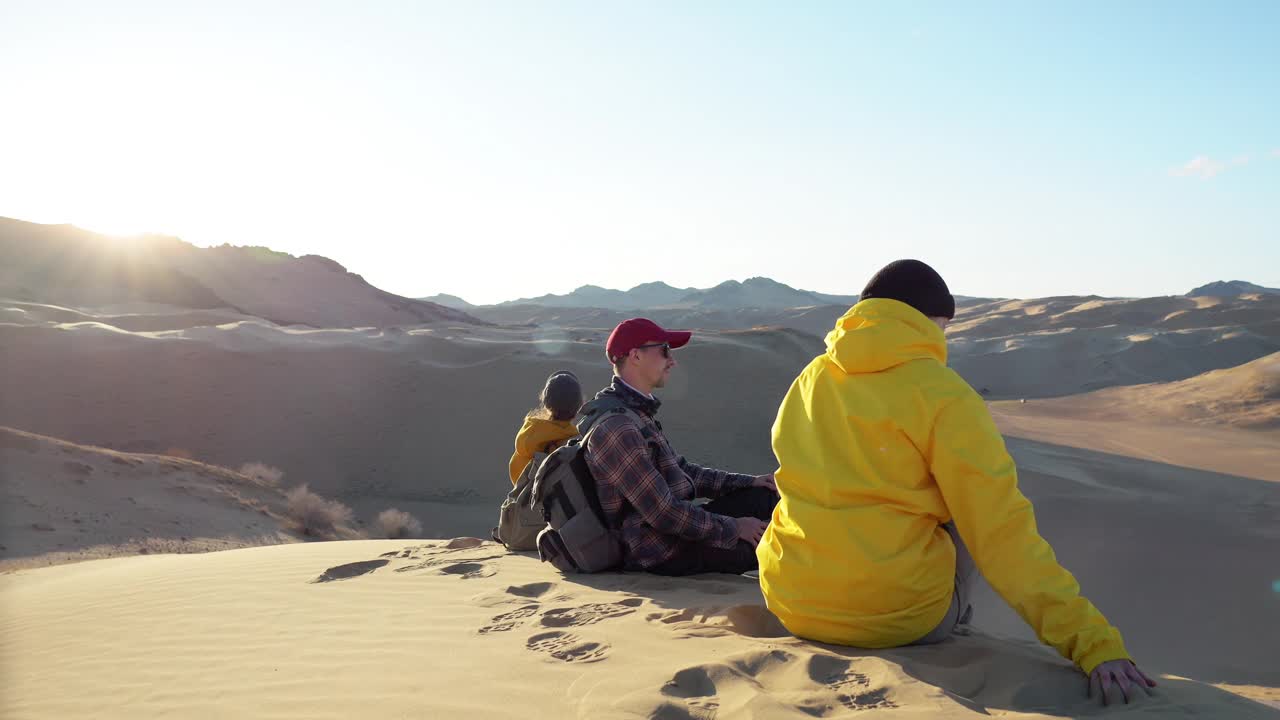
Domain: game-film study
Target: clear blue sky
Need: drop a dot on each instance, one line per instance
(503, 149)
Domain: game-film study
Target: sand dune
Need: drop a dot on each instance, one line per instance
(1245, 396)
(1063, 346)
(132, 317)
(65, 502)
(369, 416)
(1014, 349)
(464, 629)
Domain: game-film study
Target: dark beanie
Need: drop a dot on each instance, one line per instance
(914, 283)
(562, 395)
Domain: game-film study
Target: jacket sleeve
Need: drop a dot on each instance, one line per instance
(712, 483)
(618, 454)
(519, 461)
(979, 483)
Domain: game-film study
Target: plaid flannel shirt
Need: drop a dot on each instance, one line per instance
(646, 489)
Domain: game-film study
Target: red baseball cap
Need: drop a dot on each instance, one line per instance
(631, 334)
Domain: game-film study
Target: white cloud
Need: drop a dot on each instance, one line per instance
(1201, 165)
(1275, 153)
(1240, 160)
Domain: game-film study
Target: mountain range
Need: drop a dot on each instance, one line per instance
(757, 292)
(67, 266)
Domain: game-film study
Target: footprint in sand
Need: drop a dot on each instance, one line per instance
(589, 614)
(420, 551)
(441, 561)
(464, 543)
(469, 570)
(567, 647)
(531, 590)
(773, 677)
(853, 689)
(717, 621)
(405, 554)
(521, 595)
(509, 620)
(350, 570)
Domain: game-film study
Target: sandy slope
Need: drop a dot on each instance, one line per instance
(65, 502)
(1182, 560)
(411, 418)
(389, 629)
(1245, 396)
(1023, 348)
(1063, 346)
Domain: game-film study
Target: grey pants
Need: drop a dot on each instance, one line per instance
(960, 611)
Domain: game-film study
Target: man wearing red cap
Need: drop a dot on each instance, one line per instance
(647, 490)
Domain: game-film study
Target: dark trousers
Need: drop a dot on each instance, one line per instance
(693, 558)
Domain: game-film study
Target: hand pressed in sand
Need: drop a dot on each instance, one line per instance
(1124, 675)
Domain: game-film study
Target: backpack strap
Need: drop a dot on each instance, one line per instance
(606, 407)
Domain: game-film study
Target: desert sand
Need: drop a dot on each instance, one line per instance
(67, 503)
(1159, 491)
(464, 629)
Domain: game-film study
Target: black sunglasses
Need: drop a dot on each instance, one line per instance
(666, 348)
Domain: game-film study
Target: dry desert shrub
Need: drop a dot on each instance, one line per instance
(315, 516)
(264, 474)
(179, 453)
(397, 524)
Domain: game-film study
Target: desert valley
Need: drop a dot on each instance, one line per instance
(161, 403)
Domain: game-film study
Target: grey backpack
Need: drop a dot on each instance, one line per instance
(518, 522)
(577, 536)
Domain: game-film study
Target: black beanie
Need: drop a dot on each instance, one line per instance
(562, 395)
(914, 283)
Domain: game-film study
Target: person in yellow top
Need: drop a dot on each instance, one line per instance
(550, 424)
(891, 471)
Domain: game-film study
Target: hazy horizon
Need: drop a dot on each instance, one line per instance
(852, 291)
(1024, 151)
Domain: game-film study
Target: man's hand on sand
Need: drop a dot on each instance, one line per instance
(1124, 675)
(750, 529)
(766, 481)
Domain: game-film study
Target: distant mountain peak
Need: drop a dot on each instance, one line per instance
(1231, 288)
(655, 285)
(449, 301)
(755, 292)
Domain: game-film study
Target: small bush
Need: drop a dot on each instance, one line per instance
(397, 524)
(313, 515)
(263, 473)
(179, 453)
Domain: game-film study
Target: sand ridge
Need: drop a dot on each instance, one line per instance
(69, 503)
(1245, 396)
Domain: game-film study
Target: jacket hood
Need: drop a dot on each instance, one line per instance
(537, 433)
(879, 334)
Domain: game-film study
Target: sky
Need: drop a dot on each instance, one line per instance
(496, 150)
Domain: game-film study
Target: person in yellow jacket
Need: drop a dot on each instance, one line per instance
(891, 471)
(550, 424)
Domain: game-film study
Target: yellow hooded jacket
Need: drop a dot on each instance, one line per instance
(878, 443)
(535, 436)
